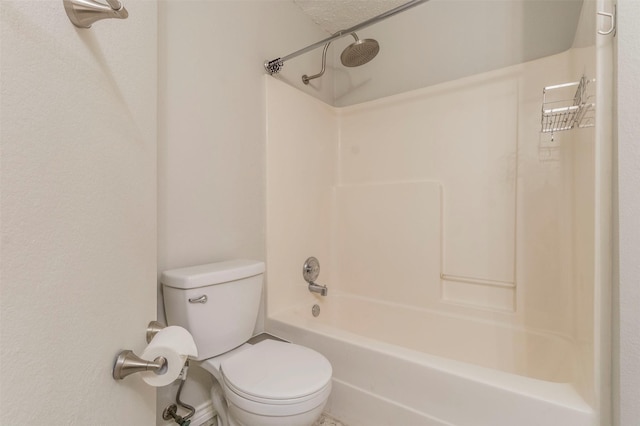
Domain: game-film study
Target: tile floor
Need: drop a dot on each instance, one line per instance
(328, 421)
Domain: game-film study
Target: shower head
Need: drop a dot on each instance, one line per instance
(359, 52)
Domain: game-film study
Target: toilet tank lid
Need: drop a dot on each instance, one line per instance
(211, 273)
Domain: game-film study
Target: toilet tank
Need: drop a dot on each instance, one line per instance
(217, 303)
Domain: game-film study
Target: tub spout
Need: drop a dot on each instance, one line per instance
(322, 290)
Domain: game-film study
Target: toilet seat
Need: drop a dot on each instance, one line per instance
(272, 370)
(276, 378)
(280, 408)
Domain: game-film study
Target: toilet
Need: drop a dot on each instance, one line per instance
(256, 382)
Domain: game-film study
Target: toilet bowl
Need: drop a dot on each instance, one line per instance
(268, 383)
(272, 383)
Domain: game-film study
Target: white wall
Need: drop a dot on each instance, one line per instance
(463, 175)
(63, 205)
(441, 41)
(212, 122)
(301, 174)
(503, 242)
(302, 146)
(456, 178)
(627, 358)
(78, 205)
(212, 127)
(216, 130)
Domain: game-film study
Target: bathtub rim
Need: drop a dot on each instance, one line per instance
(564, 394)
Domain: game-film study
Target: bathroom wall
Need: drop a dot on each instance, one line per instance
(492, 231)
(211, 134)
(212, 227)
(78, 207)
(72, 230)
(553, 259)
(302, 147)
(444, 193)
(445, 198)
(425, 46)
(455, 178)
(627, 330)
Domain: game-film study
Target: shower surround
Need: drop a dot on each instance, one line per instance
(456, 241)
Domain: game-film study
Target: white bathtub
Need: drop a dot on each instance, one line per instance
(399, 366)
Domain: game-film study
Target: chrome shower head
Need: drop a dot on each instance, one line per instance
(359, 52)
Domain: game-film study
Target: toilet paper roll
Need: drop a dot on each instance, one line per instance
(173, 343)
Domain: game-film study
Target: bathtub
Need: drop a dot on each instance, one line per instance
(398, 366)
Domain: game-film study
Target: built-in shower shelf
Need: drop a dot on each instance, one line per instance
(561, 112)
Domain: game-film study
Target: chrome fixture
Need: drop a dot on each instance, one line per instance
(310, 272)
(152, 329)
(171, 412)
(565, 108)
(322, 290)
(201, 299)
(613, 22)
(357, 53)
(305, 78)
(83, 13)
(128, 363)
(275, 65)
(311, 269)
(315, 310)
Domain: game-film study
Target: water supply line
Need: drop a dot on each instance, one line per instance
(275, 65)
(171, 412)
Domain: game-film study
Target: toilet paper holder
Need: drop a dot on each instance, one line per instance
(128, 363)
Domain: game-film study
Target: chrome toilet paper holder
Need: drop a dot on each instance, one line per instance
(128, 363)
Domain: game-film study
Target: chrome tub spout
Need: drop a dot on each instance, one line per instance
(317, 288)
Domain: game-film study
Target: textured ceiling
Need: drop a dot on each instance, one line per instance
(336, 15)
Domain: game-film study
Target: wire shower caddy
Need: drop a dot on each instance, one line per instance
(561, 112)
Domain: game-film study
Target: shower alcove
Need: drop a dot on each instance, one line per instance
(465, 251)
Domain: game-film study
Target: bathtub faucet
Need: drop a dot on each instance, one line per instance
(322, 290)
(310, 272)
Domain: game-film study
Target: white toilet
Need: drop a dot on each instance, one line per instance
(268, 383)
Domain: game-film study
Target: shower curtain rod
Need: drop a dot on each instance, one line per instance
(274, 66)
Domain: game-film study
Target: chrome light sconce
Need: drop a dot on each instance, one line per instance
(83, 13)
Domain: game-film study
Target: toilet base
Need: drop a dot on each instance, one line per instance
(240, 417)
(229, 414)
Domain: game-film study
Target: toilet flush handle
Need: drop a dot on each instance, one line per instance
(201, 299)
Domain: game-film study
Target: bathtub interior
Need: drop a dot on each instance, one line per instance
(377, 383)
(510, 349)
(444, 221)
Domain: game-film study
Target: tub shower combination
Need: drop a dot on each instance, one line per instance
(447, 370)
(456, 228)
